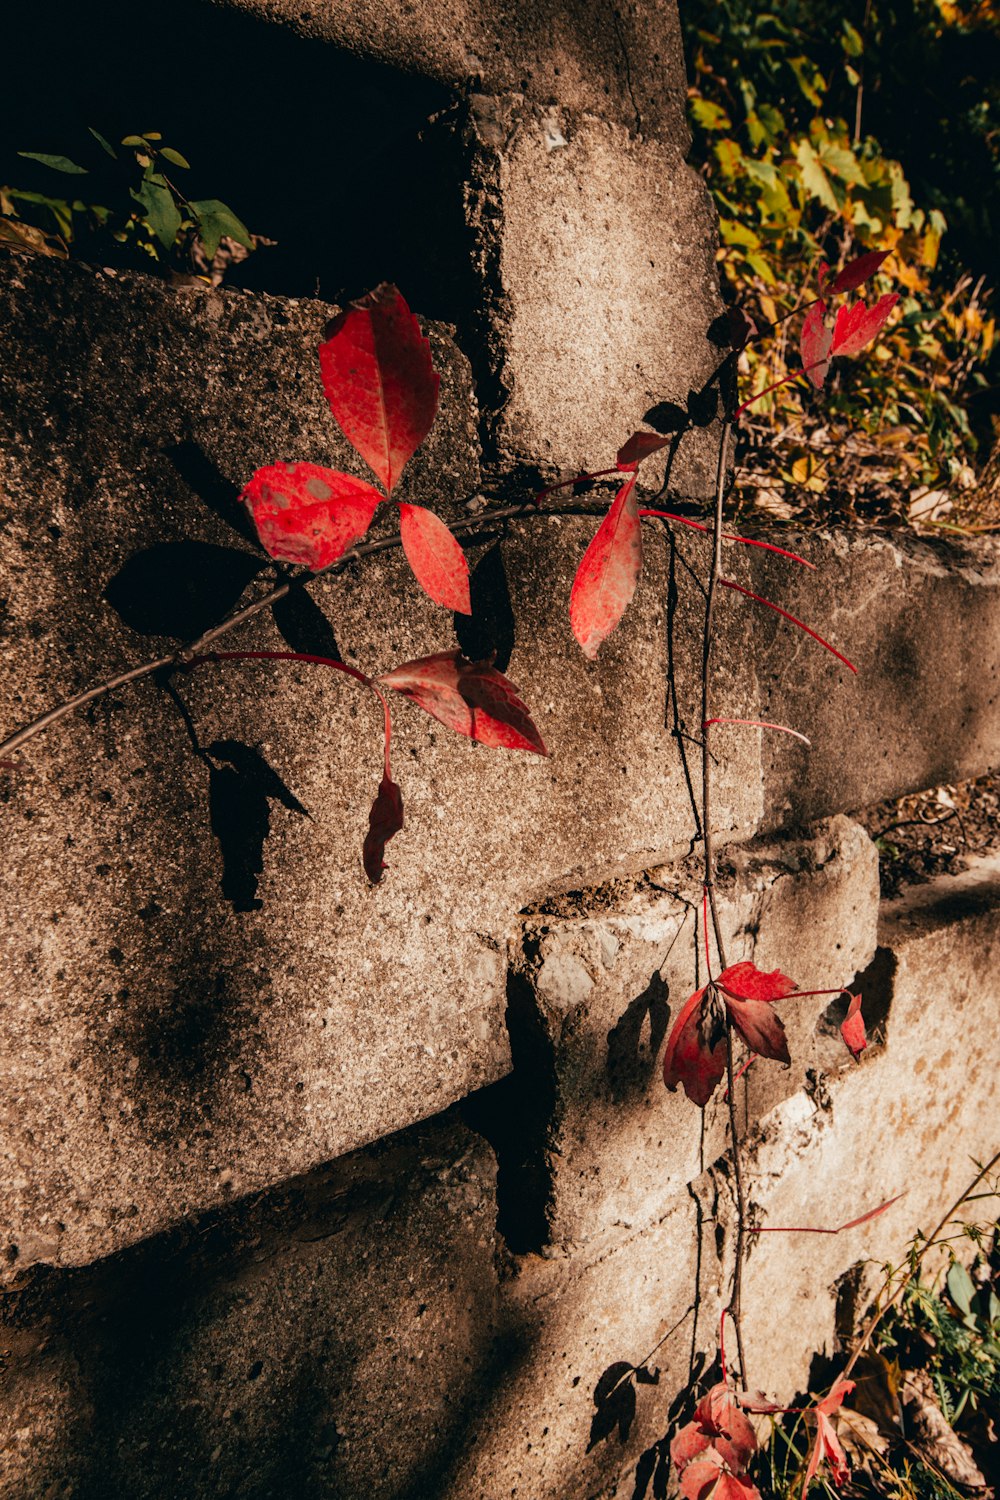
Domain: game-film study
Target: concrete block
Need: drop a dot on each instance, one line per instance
(595, 251)
(914, 1118)
(328, 1339)
(190, 1010)
(921, 620)
(630, 1299)
(624, 62)
(591, 1000)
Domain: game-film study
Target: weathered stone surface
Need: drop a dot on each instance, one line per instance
(209, 1043)
(331, 1339)
(592, 1000)
(624, 62)
(629, 1299)
(914, 1118)
(921, 620)
(595, 256)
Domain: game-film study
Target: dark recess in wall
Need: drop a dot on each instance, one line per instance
(350, 166)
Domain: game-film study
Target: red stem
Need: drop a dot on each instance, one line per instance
(729, 584)
(748, 541)
(321, 661)
(759, 724)
(777, 384)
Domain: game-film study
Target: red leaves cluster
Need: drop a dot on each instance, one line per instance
(607, 576)
(855, 325)
(470, 697)
(383, 391)
(695, 1054)
(711, 1453)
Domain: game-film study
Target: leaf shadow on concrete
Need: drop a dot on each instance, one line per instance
(630, 1064)
(241, 787)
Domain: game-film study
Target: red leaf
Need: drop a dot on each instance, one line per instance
(437, 560)
(384, 820)
(858, 271)
(309, 515)
(840, 1388)
(731, 1434)
(639, 446)
(705, 1479)
(379, 380)
(856, 326)
(872, 1213)
(814, 344)
(695, 1054)
(469, 697)
(760, 1028)
(606, 578)
(689, 1443)
(700, 1475)
(748, 995)
(747, 982)
(734, 1487)
(827, 1445)
(852, 1028)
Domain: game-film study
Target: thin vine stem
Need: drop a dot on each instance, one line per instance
(184, 654)
(714, 579)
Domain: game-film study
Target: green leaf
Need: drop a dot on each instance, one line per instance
(814, 179)
(710, 116)
(175, 157)
(851, 40)
(104, 145)
(772, 120)
(762, 268)
(216, 220)
(735, 233)
(161, 211)
(728, 155)
(809, 79)
(133, 140)
(57, 163)
(841, 163)
(961, 1288)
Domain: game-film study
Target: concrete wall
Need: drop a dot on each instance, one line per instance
(316, 1189)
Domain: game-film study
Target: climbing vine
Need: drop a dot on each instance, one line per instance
(382, 389)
